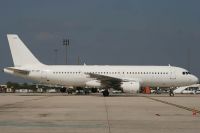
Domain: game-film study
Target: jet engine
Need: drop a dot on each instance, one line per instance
(130, 87)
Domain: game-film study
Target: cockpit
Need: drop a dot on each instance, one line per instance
(186, 73)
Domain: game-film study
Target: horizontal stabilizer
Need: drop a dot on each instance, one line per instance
(15, 70)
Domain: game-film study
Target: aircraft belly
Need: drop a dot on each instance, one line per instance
(73, 81)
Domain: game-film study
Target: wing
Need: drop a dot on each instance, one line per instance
(109, 81)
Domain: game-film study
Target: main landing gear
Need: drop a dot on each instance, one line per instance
(171, 92)
(105, 93)
(63, 90)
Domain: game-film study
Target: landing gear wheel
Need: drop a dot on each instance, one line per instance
(171, 93)
(63, 90)
(105, 93)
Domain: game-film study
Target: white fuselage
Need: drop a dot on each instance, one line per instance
(76, 75)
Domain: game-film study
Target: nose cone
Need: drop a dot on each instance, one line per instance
(194, 79)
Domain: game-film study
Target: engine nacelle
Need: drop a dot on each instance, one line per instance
(93, 83)
(130, 87)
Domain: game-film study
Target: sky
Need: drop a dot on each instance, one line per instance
(111, 32)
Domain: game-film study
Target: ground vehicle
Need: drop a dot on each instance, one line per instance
(197, 91)
(189, 90)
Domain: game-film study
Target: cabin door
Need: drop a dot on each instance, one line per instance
(172, 74)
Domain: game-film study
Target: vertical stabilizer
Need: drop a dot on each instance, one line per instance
(21, 55)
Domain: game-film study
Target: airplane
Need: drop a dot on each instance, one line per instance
(129, 79)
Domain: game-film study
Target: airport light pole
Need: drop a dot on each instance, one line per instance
(66, 44)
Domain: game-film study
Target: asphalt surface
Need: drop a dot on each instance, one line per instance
(57, 113)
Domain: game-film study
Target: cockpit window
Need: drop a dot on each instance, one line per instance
(186, 73)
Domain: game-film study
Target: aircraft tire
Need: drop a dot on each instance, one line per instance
(63, 90)
(105, 93)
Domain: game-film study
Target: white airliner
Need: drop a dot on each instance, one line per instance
(127, 78)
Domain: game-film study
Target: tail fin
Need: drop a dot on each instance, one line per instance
(20, 53)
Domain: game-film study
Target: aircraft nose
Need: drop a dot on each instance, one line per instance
(195, 79)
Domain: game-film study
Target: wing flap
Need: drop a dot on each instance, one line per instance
(107, 81)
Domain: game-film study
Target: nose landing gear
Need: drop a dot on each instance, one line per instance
(171, 92)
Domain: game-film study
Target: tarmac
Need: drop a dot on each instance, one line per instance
(57, 113)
